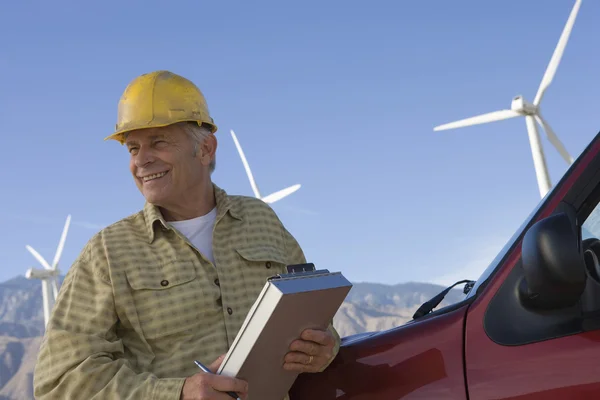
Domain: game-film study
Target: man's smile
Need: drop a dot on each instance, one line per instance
(158, 175)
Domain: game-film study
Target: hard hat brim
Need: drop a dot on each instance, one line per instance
(119, 135)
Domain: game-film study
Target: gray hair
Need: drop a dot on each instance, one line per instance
(198, 133)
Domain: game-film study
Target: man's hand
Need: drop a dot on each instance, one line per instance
(311, 352)
(203, 386)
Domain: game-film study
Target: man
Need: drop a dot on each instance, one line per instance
(172, 283)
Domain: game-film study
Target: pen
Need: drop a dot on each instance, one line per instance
(203, 368)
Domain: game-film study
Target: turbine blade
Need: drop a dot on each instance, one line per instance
(46, 301)
(553, 138)
(246, 165)
(61, 244)
(539, 159)
(273, 197)
(54, 288)
(480, 119)
(38, 257)
(557, 55)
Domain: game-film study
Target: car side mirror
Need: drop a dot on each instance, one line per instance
(553, 263)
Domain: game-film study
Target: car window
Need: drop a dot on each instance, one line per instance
(591, 226)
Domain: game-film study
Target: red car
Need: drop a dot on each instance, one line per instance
(529, 327)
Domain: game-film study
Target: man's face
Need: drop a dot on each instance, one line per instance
(163, 164)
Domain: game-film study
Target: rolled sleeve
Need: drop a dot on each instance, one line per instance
(81, 355)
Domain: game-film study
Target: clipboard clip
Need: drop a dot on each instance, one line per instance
(300, 270)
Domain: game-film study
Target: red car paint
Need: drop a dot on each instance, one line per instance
(450, 354)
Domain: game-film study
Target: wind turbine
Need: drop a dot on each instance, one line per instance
(271, 198)
(48, 275)
(531, 112)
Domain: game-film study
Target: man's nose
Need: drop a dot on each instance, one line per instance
(144, 157)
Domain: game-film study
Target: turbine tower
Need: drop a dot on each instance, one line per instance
(531, 112)
(48, 275)
(271, 198)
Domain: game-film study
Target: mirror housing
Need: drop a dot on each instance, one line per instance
(553, 264)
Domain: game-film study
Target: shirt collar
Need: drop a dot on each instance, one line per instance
(152, 213)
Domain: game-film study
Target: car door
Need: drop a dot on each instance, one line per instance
(516, 352)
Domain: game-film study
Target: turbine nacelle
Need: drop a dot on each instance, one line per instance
(522, 106)
(38, 273)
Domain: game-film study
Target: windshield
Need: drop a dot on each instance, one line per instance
(494, 264)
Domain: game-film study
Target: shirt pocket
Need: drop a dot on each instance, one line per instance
(166, 297)
(261, 262)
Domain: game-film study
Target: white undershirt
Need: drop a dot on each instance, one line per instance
(199, 232)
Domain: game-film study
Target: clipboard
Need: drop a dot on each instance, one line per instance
(288, 304)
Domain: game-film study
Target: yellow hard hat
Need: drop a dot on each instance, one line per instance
(159, 99)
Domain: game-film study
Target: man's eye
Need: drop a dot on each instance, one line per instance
(132, 150)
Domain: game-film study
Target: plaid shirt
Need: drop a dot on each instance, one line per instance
(140, 303)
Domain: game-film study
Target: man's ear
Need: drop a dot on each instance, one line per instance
(208, 150)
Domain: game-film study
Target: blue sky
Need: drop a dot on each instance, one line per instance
(341, 97)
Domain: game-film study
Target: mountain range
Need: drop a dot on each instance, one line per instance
(369, 307)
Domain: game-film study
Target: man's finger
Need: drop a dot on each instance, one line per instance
(304, 346)
(322, 337)
(297, 367)
(298, 357)
(224, 383)
(214, 366)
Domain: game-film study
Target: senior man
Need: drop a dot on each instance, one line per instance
(172, 283)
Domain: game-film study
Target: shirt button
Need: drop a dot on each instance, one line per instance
(229, 310)
(217, 282)
(268, 264)
(164, 283)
